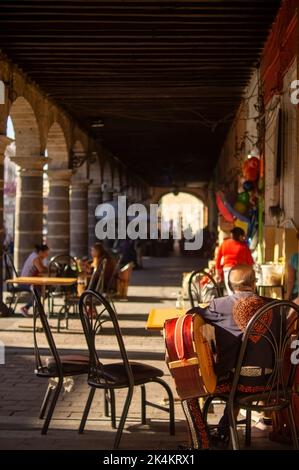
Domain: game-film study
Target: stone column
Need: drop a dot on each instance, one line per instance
(29, 206)
(58, 237)
(94, 199)
(4, 142)
(79, 218)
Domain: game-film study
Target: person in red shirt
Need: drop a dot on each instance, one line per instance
(232, 252)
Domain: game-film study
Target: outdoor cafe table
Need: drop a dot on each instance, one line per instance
(158, 316)
(44, 281)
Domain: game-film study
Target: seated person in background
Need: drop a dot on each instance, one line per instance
(98, 253)
(34, 265)
(230, 316)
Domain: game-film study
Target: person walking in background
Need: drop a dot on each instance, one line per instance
(34, 266)
(232, 252)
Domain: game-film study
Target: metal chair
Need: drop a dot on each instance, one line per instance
(60, 266)
(120, 375)
(14, 290)
(276, 392)
(52, 366)
(71, 302)
(196, 293)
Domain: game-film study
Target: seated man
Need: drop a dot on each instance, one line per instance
(230, 316)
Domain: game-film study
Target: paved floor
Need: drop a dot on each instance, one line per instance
(21, 392)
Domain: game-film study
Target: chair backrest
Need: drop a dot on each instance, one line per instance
(268, 338)
(96, 282)
(10, 270)
(63, 266)
(39, 313)
(197, 293)
(94, 310)
(113, 277)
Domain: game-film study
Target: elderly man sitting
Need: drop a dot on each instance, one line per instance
(230, 316)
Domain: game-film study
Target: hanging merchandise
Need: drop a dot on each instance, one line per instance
(251, 169)
(248, 186)
(243, 225)
(252, 229)
(244, 198)
(223, 209)
(236, 213)
(240, 207)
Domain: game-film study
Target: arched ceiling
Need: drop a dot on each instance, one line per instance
(158, 74)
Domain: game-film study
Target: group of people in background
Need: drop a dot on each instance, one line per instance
(36, 264)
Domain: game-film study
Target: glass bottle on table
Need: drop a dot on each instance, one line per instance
(180, 303)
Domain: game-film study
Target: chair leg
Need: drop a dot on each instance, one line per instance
(123, 418)
(171, 405)
(143, 404)
(59, 319)
(86, 410)
(45, 401)
(49, 305)
(16, 300)
(113, 411)
(106, 403)
(293, 427)
(248, 429)
(52, 406)
(233, 427)
(109, 397)
(10, 301)
(206, 407)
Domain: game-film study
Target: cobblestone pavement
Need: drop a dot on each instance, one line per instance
(21, 392)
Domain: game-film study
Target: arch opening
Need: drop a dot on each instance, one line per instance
(182, 215)
(26, 132)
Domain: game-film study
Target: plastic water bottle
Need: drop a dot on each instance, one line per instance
(180, 301)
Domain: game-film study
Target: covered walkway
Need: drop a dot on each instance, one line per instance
(140, 99)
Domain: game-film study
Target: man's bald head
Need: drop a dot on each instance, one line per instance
(242, 278)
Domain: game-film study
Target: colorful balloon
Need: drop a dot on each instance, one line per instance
(237, 214)
(248, 185)
(244, 198)
(240, 207)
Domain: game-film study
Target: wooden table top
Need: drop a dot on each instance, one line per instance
(158, 316)
(44, 281)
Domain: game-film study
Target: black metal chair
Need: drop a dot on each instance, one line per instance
(198, 295)
(71, 301)
(62, 265)
(275, 395)
(15, 291)
(120, 375)
(52, 366)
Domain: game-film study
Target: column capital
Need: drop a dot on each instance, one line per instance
(30, 165)
(80, 183)
(60, 177)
